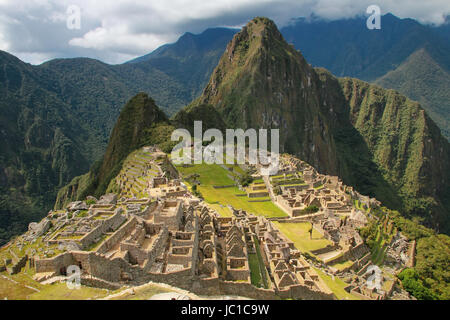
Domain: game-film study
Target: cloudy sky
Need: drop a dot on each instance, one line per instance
(115, 31)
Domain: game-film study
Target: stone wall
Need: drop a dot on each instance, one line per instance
(246, 290)
(326, 249)
(181, 279)
(354, 253)
(98, 266)
(140, 256)
(99, 283)
(117, 236)
(54, 264)
(158, 245)
(196, 245)
(112, 223)
(412, 254)
(16, 267)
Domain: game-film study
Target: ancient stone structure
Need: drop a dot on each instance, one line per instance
(166, 235)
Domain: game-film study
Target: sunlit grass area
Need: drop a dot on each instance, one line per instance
(299, 234)
(215, 175)
(142, 293)
(342, 265)
(209, 174)
(60, 291)
(224, 211)
(229, 196)
(22, 287)
(336, 285)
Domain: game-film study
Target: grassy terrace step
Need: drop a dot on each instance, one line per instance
(299, 234)
(22, 286)
(215, 175)
(336, 285)
(343, 265)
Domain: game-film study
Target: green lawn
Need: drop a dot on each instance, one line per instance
(222, 210)
(379, 248)
(228, 196)
(237, 171)
(21, 286)
(210, 174)
(342, 265)
(298, 233)
(12, 288)
(255, 273)
(143, 293)
(336, 285)
(215, 175)
(60, 291)
(262, 267)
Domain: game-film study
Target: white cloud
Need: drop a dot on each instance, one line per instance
(113, 31)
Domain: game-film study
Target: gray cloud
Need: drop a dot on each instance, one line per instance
(115, 31)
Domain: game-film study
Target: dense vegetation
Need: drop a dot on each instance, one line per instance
(246, 179)
(422, 79)
(410, 153)
(40, 147)
(430, 277)
(140, 123)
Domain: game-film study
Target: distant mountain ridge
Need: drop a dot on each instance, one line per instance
(347, 48)
(422, 79)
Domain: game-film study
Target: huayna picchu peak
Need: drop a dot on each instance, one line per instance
(262, 82)
(358, 206)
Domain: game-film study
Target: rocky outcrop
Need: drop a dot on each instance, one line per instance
(110, 198)
(36, 230)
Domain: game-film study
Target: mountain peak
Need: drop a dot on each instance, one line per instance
(263, 82)
(258, 41)
(261, 29)
(262, 23)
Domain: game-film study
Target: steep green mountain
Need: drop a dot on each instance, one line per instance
(263, 82)
(39, 146)
(424, 80)
(209, 116)
(391, 57)
(94, 92)
(140, 123)
(57, 117)
(407, 146)
(375, 139)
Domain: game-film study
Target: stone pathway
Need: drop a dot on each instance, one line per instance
(190, 295)
(169, 296)
(55, 279)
